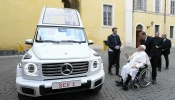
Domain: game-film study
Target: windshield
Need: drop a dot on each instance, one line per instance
(57, 34)
(61, 17)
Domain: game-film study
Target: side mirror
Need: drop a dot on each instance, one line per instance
(90, 42)
(29, 41)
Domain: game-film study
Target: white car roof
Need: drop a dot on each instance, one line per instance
(60, 17)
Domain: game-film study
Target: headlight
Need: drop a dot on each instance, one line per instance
(95, 65)
(31, 69)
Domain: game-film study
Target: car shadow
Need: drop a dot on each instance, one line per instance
(81, 95)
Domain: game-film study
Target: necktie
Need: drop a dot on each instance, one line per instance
(115, 40)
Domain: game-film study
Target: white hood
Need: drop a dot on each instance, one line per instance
(61, 51)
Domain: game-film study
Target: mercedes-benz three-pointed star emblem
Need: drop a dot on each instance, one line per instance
(67, 69)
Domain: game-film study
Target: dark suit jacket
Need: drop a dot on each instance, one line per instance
(150, 46)
(158, 42)
(111, 43)
(166, 45)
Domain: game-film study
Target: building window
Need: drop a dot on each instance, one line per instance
(172, 7)
(157, 28)
(157, 6)
(107, 15)
(171, 31)
(140, 5)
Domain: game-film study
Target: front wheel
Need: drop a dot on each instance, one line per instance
(135, 87)
(23, 97)
(97, 89)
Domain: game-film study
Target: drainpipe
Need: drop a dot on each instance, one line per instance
(165, 17)
(133, 28)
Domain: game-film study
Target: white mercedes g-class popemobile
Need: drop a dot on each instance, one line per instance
(60, 59)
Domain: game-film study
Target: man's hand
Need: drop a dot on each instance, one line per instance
(117, 47)
(149, 57)
(133, 66)
(127, 56)
(157, 47)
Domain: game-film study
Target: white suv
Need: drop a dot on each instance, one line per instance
(60, 59)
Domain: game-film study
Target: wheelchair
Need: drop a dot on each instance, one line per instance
(143, 78)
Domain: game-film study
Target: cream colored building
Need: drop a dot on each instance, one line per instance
(19, 19)
(152, 16)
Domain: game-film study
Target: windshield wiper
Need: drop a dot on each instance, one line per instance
(61, 41)
(49, 41)
(71, 41)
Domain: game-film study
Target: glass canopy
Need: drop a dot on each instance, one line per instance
(61, 17)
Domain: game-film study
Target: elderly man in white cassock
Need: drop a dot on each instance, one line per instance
(129, 71)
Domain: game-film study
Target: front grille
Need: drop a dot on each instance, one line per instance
(54, 69)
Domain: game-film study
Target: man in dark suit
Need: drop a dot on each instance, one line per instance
(151, 50)
(114, 45)
(158, 41)
(166, 49)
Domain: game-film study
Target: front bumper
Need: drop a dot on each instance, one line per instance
(41, 88)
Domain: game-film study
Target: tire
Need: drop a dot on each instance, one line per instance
(97, 89)
(23, 97)
(135, 87)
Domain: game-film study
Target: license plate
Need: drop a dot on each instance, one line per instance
(60, 85)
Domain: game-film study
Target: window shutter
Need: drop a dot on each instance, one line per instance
(144, 5)
(171, 31)
(135, 4)
(140, 4)
(172, 7)
(157, 5)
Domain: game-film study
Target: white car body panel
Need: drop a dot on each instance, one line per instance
(58, 57)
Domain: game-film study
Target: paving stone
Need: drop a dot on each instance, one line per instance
(163, 90)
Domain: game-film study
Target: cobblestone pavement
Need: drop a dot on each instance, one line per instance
(163, 90)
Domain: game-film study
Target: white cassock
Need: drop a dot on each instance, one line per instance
(138, 59)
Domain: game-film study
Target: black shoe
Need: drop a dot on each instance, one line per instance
(119, 83)
(166, 68)
(154, 82)
(124, 85)
(159, 69)
(110, 73)
(117, 75)
(125, 88)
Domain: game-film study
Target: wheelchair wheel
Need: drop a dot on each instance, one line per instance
(135, 87)
(145, 78)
